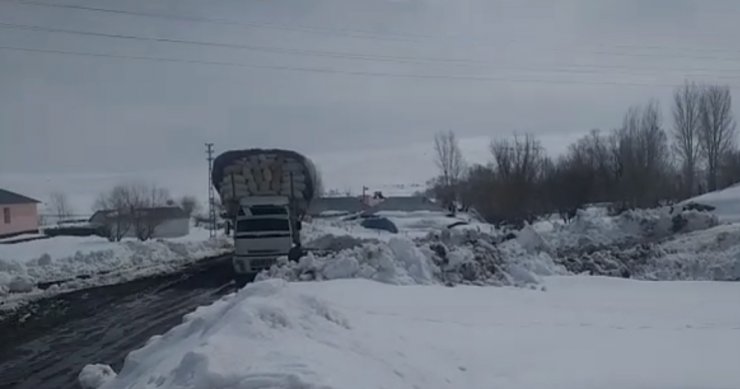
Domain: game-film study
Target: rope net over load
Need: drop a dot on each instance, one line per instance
(264, 172)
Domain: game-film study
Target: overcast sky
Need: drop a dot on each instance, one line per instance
(335, 77)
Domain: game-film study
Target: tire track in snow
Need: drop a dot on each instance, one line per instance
(47, 344)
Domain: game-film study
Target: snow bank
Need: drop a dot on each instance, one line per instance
(95, 376)
(411, 225)
(712, 254)
(726, 203)
(584, 332)
(443, 256)
(643, 244)
(594, 228)
(397, 261)
(708, 253)
(78, 262)
(246, 340)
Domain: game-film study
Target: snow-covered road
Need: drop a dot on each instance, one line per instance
(46, 343)
(580, 332)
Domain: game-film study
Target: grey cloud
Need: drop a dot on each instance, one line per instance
(564, 65)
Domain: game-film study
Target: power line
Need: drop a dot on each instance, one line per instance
(584, 69)
(270, 49)
(334, 71)
(354, 33)
(222, 21)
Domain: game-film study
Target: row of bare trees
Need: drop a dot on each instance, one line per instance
(639, 164)
(703, 131)
(134, 208)
(127, 207)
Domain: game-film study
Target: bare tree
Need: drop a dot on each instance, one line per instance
(451, 165)
(593, 159)
(189, 204)
(686, 124)
(518, 166)
(640, 150)
(132, 206)
(145, 201)
(114, 204)
(729, 173)
(717, 130)
(59, 205)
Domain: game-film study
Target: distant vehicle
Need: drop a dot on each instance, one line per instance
(266, 194)
(380, 223)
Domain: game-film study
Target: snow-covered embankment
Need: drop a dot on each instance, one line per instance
(583, 332)
(72, 263)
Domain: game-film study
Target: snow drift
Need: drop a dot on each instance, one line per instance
(446, 256)
(72, 263)
(592, 227)
(656, 244)
(726, 203)
(583, 332)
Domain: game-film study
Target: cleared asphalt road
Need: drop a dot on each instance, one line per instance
(101, 325)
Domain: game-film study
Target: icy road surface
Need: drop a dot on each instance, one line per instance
(45, 344)
(579, 333)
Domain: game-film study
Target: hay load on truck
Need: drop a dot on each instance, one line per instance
(266, 194)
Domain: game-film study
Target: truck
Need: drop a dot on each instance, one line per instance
(265, 194)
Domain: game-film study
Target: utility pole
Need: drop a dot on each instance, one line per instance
(365, 200)
(211, 193)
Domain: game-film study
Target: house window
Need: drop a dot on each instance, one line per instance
(6, 215)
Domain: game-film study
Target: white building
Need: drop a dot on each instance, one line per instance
(168, 222)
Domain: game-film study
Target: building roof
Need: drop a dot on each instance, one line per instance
(8, 197)
(355, 204)
(406, 204)
(159, 212)
(340, 204)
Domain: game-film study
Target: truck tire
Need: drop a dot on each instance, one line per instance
(242, 279)
(295, 254)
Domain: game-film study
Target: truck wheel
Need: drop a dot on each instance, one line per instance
(295, 254)
(242, 279)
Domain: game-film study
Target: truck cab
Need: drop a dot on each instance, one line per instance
(264, 229)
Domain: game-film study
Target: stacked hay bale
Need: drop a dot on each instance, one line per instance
(257, 172)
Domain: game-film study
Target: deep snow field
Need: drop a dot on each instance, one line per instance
(420, 309)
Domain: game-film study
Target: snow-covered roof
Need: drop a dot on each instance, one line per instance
(407, 204)
(342, 204)
(8, 197)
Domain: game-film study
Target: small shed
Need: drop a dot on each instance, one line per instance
(170, 222)
(18, 214)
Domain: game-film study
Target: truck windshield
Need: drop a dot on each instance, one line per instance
(254, 225)
(260, 210)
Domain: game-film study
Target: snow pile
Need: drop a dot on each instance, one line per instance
(412, 225)
(95, 376)
(250, 339)
(712, 254)
(582, 333)
(330, 242)
(594, 228)
(77, 262)
(397, 261)
(447, 256)
(726, 203)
